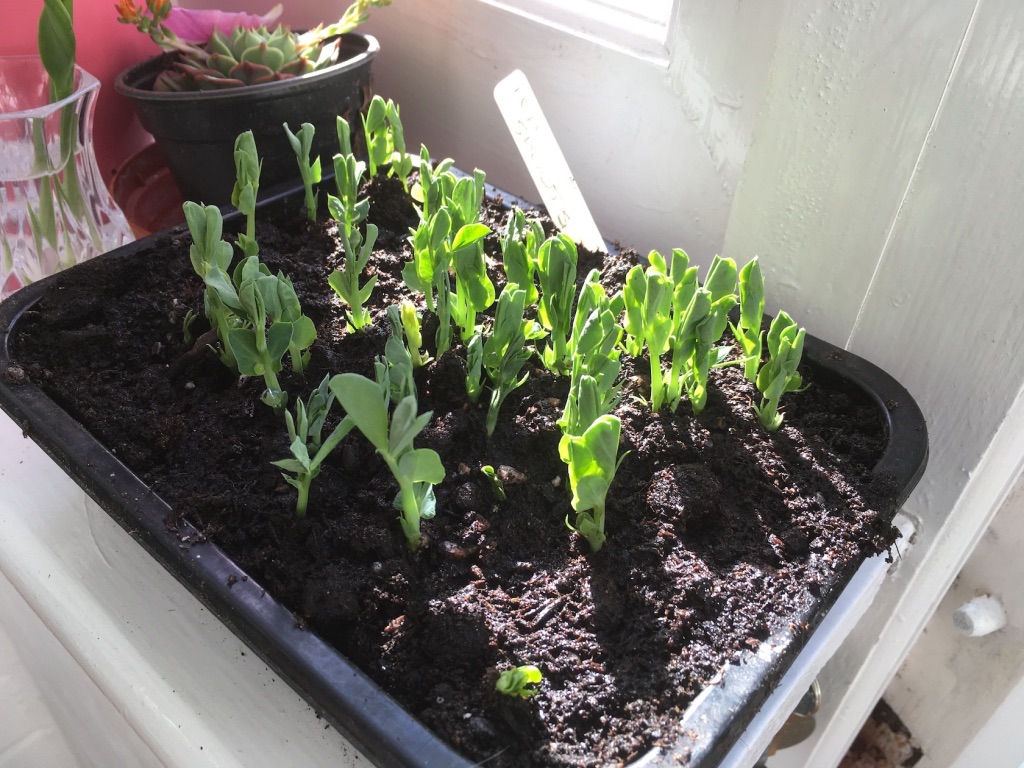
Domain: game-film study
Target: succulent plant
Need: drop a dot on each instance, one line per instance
(245, 57)
(240, 50)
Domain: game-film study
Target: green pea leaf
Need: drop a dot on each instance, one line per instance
(362, 401)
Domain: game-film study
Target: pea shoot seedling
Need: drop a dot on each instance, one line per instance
(273, 324)
(595, 348)
(385, 140)
(242, 305)
(556, 269)
(210, 255)
(520, 681)
(411, 324)
(349, 211)
(592, 460)
(434, 186)
(748, 330)
(474, 291)
(779, 374)
(417, 470)
(666, 310)
(438, 248)
(519, 245)
(475, 367)
(247, 185)
(308, 452)
(397, 360)
(302, 145)
(505, 351)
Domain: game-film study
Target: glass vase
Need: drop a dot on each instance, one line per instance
(54, 208)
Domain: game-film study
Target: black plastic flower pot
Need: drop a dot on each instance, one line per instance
(196, 130)
(369, 717)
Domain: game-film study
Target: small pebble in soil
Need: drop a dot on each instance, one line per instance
(510, 476)
(15, 374)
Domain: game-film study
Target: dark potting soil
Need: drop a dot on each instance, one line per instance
(718, 531)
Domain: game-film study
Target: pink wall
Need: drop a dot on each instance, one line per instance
(105, 48)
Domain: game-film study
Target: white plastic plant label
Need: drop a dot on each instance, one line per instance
(545, 161)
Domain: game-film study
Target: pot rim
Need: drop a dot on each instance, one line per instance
(141, 70)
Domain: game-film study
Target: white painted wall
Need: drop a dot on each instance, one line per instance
(657, 146)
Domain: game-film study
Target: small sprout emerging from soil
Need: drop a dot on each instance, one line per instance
(779, 375)
(748, 331)
(186, 327)
(247, 184)
(592, 465)
(520, 681)
(439, 247)
(302, 145)
(434, 186)
(497, 486)
(385, 140)
(475, 367)
(595, 348)
(394, 369)
(505, 351)
(308, 452)
(556, 269)
(417, 470)
(411, 325)
(349, 211)
(519, 245)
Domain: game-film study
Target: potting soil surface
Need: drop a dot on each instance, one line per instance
(718, 530)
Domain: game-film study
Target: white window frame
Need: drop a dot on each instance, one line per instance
(606, 22)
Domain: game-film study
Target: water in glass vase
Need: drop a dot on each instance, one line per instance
(54, 209)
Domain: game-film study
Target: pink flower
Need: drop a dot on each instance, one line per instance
(197, 26)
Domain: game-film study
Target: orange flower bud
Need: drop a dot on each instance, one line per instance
(160, 8)
(127, 12)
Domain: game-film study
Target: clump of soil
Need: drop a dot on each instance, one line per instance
(718, 531)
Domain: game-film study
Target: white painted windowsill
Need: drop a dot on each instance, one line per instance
(637, 32)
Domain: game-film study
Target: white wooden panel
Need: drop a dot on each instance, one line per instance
(852, 92)
(721, 55)
(944, 312)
